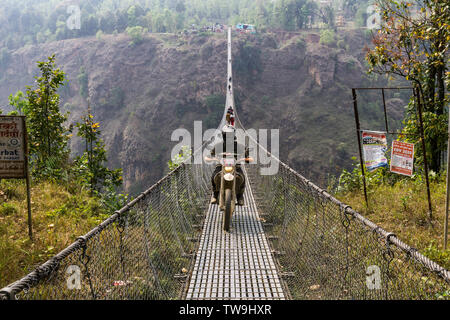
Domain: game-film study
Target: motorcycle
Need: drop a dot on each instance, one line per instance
(227, 180)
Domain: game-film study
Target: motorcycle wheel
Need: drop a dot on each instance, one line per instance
(227, 214)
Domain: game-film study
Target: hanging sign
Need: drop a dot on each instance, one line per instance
(12, 147)
(374, 147)
(14, 155)
(402, 158)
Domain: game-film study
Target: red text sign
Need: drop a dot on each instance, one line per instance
(402, 158)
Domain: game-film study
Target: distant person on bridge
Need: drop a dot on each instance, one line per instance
(240, 150)
(230, 116)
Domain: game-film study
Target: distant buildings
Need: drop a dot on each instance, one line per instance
(245, 28)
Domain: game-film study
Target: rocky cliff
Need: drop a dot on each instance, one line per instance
(141, 93)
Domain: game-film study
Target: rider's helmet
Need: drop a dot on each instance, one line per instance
(228, 131)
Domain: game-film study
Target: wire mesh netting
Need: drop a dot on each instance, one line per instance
(323, 248)
(326, 250)
(143, 251)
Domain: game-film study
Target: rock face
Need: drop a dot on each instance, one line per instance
(321, 68)
(141, 93)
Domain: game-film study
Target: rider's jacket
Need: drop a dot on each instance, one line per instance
(237, 148)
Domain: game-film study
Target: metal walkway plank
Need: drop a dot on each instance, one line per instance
(236, 264)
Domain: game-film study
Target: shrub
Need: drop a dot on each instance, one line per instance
(99, 35)
(4, 57)
(439, 256)
(327, 37)
(300, 43)
(83, 81)
(7, 209)
(136, 34)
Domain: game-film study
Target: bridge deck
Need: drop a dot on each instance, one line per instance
(236, 264)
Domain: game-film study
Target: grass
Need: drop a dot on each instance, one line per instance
(403, 209)
(60, 214)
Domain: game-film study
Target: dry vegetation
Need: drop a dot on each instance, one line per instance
(60, 214)
(403, 209)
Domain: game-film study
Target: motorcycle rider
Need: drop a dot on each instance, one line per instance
(230, 116)
(229, 134)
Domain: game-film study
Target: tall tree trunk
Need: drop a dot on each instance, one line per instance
(430, 88)
(440, 99)
(431, 106)
(440, 88)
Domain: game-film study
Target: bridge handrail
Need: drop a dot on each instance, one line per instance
(47, 267)
(389, 237)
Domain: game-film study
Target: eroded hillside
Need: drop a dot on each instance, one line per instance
(141, 93)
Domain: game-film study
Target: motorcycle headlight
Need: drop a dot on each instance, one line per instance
(228, 169)
(228, 177)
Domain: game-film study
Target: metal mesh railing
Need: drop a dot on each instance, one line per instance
(143, 251)
(326, 250)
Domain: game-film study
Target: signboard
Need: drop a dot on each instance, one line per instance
(12, 147)
(402, 158)
(374, 147)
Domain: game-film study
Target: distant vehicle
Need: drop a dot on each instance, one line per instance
(247, 28)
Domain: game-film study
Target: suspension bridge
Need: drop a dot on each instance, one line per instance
(290, 240)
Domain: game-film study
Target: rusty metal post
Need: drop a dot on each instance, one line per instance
(385, 112)
(27, 178)
(448, 185)
(425, 162)
(358, 131)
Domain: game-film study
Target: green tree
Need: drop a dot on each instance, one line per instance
(180, 7)
(184, 154)
(107, 22)
(327, 15)
(4, 57)
(83, 81)
(159, 23)
(89, 25)
(327, 37)
(132, 18)
(19, 102)
(350, 7)
(136, 34)
(413, 43)
(262, 17)
(47, 135)
(90, 168)
(61, 30)
(284, 15)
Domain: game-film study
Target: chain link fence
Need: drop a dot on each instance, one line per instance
(143, 251)
(326, 250)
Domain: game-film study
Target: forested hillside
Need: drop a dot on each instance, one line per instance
(31, 22)
(130, 58)
(140, 93)
(103, 85)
